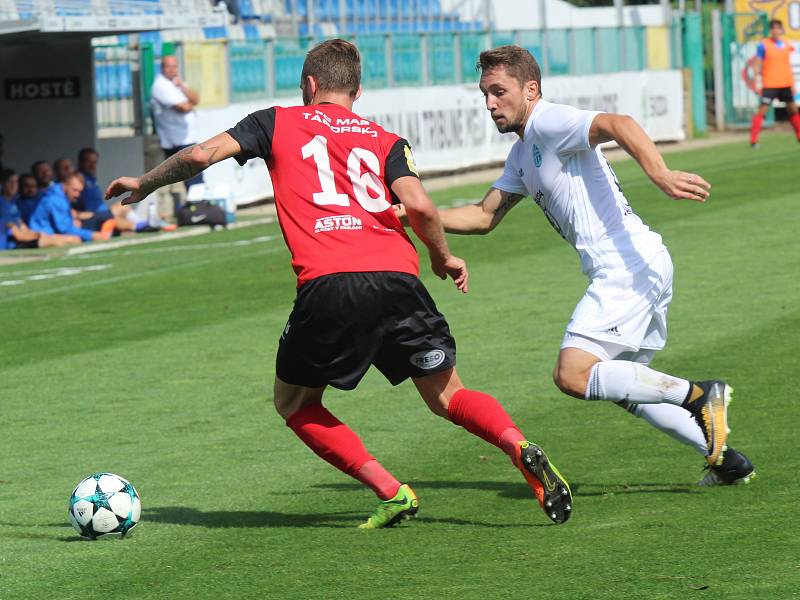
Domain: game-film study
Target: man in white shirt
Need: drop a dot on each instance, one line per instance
(173, 105)
(620, 322)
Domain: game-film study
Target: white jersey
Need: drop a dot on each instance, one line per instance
(578, 191)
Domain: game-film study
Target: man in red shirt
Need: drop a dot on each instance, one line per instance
(774, 72)
(359, 299)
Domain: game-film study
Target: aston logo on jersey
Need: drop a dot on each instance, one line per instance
(337, 223)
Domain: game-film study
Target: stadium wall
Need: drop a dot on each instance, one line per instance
(520, 14)
(448, 126)
(47, 127)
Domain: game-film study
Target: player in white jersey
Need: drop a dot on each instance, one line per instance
(621, 321)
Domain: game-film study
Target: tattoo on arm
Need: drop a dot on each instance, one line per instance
(178, 167)
(507, 202)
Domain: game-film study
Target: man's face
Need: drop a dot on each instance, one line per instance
(11, 186)
(28, 187)
(775, 32)
(88, 163)
(506, 100)
(43, 174)
(73, 189)
(169, 67)
(63, 169)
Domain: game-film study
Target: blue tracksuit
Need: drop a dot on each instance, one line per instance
(91, 198)
(52, 215)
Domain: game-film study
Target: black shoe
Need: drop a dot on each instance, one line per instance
(736, 469)
(710, 411)
(548, 485)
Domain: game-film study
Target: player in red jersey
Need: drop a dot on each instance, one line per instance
(359, 299)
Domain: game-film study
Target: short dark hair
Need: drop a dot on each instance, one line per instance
(36, 164)
(335, 65)
(25, 176)
(776, 22)
(84, 152)
(6, 174)
(517, 61)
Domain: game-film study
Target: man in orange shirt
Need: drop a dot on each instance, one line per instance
(774, 69)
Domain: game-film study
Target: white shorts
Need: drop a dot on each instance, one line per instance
(623, 312)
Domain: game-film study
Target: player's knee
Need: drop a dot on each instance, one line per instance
(439, 407)
(570, 381)
(282, 406)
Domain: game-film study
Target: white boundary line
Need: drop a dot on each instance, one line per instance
(182, 265)
(162, 237)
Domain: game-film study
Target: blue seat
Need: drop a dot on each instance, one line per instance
(154, 37)
(250, 32)
(247, 10)
(215, 32)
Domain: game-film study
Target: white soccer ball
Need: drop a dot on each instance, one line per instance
(104, 505)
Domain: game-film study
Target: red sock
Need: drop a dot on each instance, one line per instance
(482, 415)
(755, 127)
(795, 121)
(383, 483)
(329, 438)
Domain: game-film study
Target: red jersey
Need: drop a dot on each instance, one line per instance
(332, 172)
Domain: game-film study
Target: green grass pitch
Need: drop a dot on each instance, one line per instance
(156, 362)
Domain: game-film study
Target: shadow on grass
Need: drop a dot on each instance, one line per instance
(181, 515)
(606, 489)
(521, 491)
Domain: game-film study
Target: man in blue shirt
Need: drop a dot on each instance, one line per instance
(28, 196)
(54, 211)
(43, 172)
(14, 233)
(92, 210)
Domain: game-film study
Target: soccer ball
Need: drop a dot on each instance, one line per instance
(104, 505)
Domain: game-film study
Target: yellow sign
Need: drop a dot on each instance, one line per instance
(786, 11)
(206, 70)
(410, 160)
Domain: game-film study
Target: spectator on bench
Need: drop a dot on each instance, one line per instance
(53, 214)
(62, 168)
(43, 172)
(28, 196)
(14, 233)
(93, 210)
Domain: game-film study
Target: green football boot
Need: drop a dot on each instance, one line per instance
(404, 505)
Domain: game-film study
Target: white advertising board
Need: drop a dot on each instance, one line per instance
(448, 126)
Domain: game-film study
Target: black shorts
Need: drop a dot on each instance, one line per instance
(768, 95)
(24, 245)
(345, 322)
(95, 222)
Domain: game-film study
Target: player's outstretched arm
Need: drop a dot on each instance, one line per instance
(424, 220)
(626, 132)
(181, 166)
(482, 217)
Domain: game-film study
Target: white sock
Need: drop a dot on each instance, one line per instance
(618, 380)
(672, 420)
